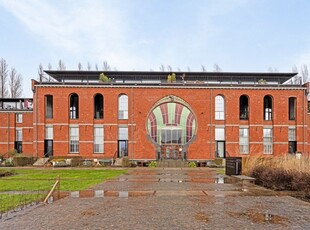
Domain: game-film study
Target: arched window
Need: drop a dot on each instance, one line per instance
(244, 107)
(219, 108)
(98, 106)
(292, 108)
(74, 106)
(267, 108)
(123, 107)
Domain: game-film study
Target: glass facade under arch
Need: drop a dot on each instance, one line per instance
(171, 123)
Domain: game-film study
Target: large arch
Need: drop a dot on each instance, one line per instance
(171, 126)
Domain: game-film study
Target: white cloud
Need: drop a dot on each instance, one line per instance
(92, 28)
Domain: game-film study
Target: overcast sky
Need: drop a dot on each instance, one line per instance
(238, 35)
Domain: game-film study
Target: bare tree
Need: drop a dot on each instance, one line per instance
(188, 69)
(15, 83)
(294, 80)
(169, 68)
(40, 73)
(106, 66)
(179, 70)
(203, 68)
(217, 68)
(88, 66)
(162, 68)
(3, 78)
(80, 67)
(61, 65)
(96, 67)
(49, 66)
(272, 70)
(304, 73)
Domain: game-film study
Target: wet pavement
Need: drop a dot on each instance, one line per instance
(182, 198)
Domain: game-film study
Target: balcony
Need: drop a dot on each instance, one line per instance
(16, 104)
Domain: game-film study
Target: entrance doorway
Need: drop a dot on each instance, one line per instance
(122, 148)
(220, 149)
(171, 152)
(48, 148)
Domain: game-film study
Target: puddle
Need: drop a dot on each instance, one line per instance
(260, 217)
(172, 180)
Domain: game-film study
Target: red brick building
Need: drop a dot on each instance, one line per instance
(154, 115)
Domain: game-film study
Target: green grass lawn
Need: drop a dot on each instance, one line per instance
(43, 179)
(33, 181)
(11, 201)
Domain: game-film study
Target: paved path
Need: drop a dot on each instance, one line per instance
(169, 199)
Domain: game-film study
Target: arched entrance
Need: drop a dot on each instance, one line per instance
(171, 127)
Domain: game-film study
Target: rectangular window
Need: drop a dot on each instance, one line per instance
(19, 118)
(267, 140)
(123, 133)
(19, 135)
(292, 144)
(74, 139)
(18, 145)
(219, 134)
(98, 139)
(49, 106)
(292, 108)
(49, 132)
(244, 140)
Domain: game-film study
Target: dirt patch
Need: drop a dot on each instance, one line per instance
(259, 217)
(201, 216)
(6, 173)
(89, 212)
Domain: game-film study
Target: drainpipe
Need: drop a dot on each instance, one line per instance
(36, 119)
(304, 125)
(211, 94)
(8, 115)
(132, 126)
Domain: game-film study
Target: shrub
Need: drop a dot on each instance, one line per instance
(104, 78)
(153, 164)
(191, 164)
(23, 160)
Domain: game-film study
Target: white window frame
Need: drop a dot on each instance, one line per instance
(219, 107)
(74, 139)
(123, 107)
(123, 133)
(98, 139)
(19, 134)
(19, 118)
(291, 134)
(219, 134)
(49, 133)
(268, 140)
(243, 140)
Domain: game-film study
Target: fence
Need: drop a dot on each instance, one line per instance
(32, 194)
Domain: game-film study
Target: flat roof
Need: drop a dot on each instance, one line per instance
(71, 75)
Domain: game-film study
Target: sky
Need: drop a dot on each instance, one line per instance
(238, 35)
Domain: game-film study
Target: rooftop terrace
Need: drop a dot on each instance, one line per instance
(181, 78)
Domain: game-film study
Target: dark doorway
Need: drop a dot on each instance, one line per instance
(18, 146)
(48, 148)
(220, 149)
(122, 148)
(292, 147)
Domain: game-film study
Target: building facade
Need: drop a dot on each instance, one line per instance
(156, 115)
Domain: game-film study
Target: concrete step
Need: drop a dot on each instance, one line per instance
(41, 161)
(118, 162)
(171, 164)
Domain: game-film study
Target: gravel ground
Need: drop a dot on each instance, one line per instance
(190, 204)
